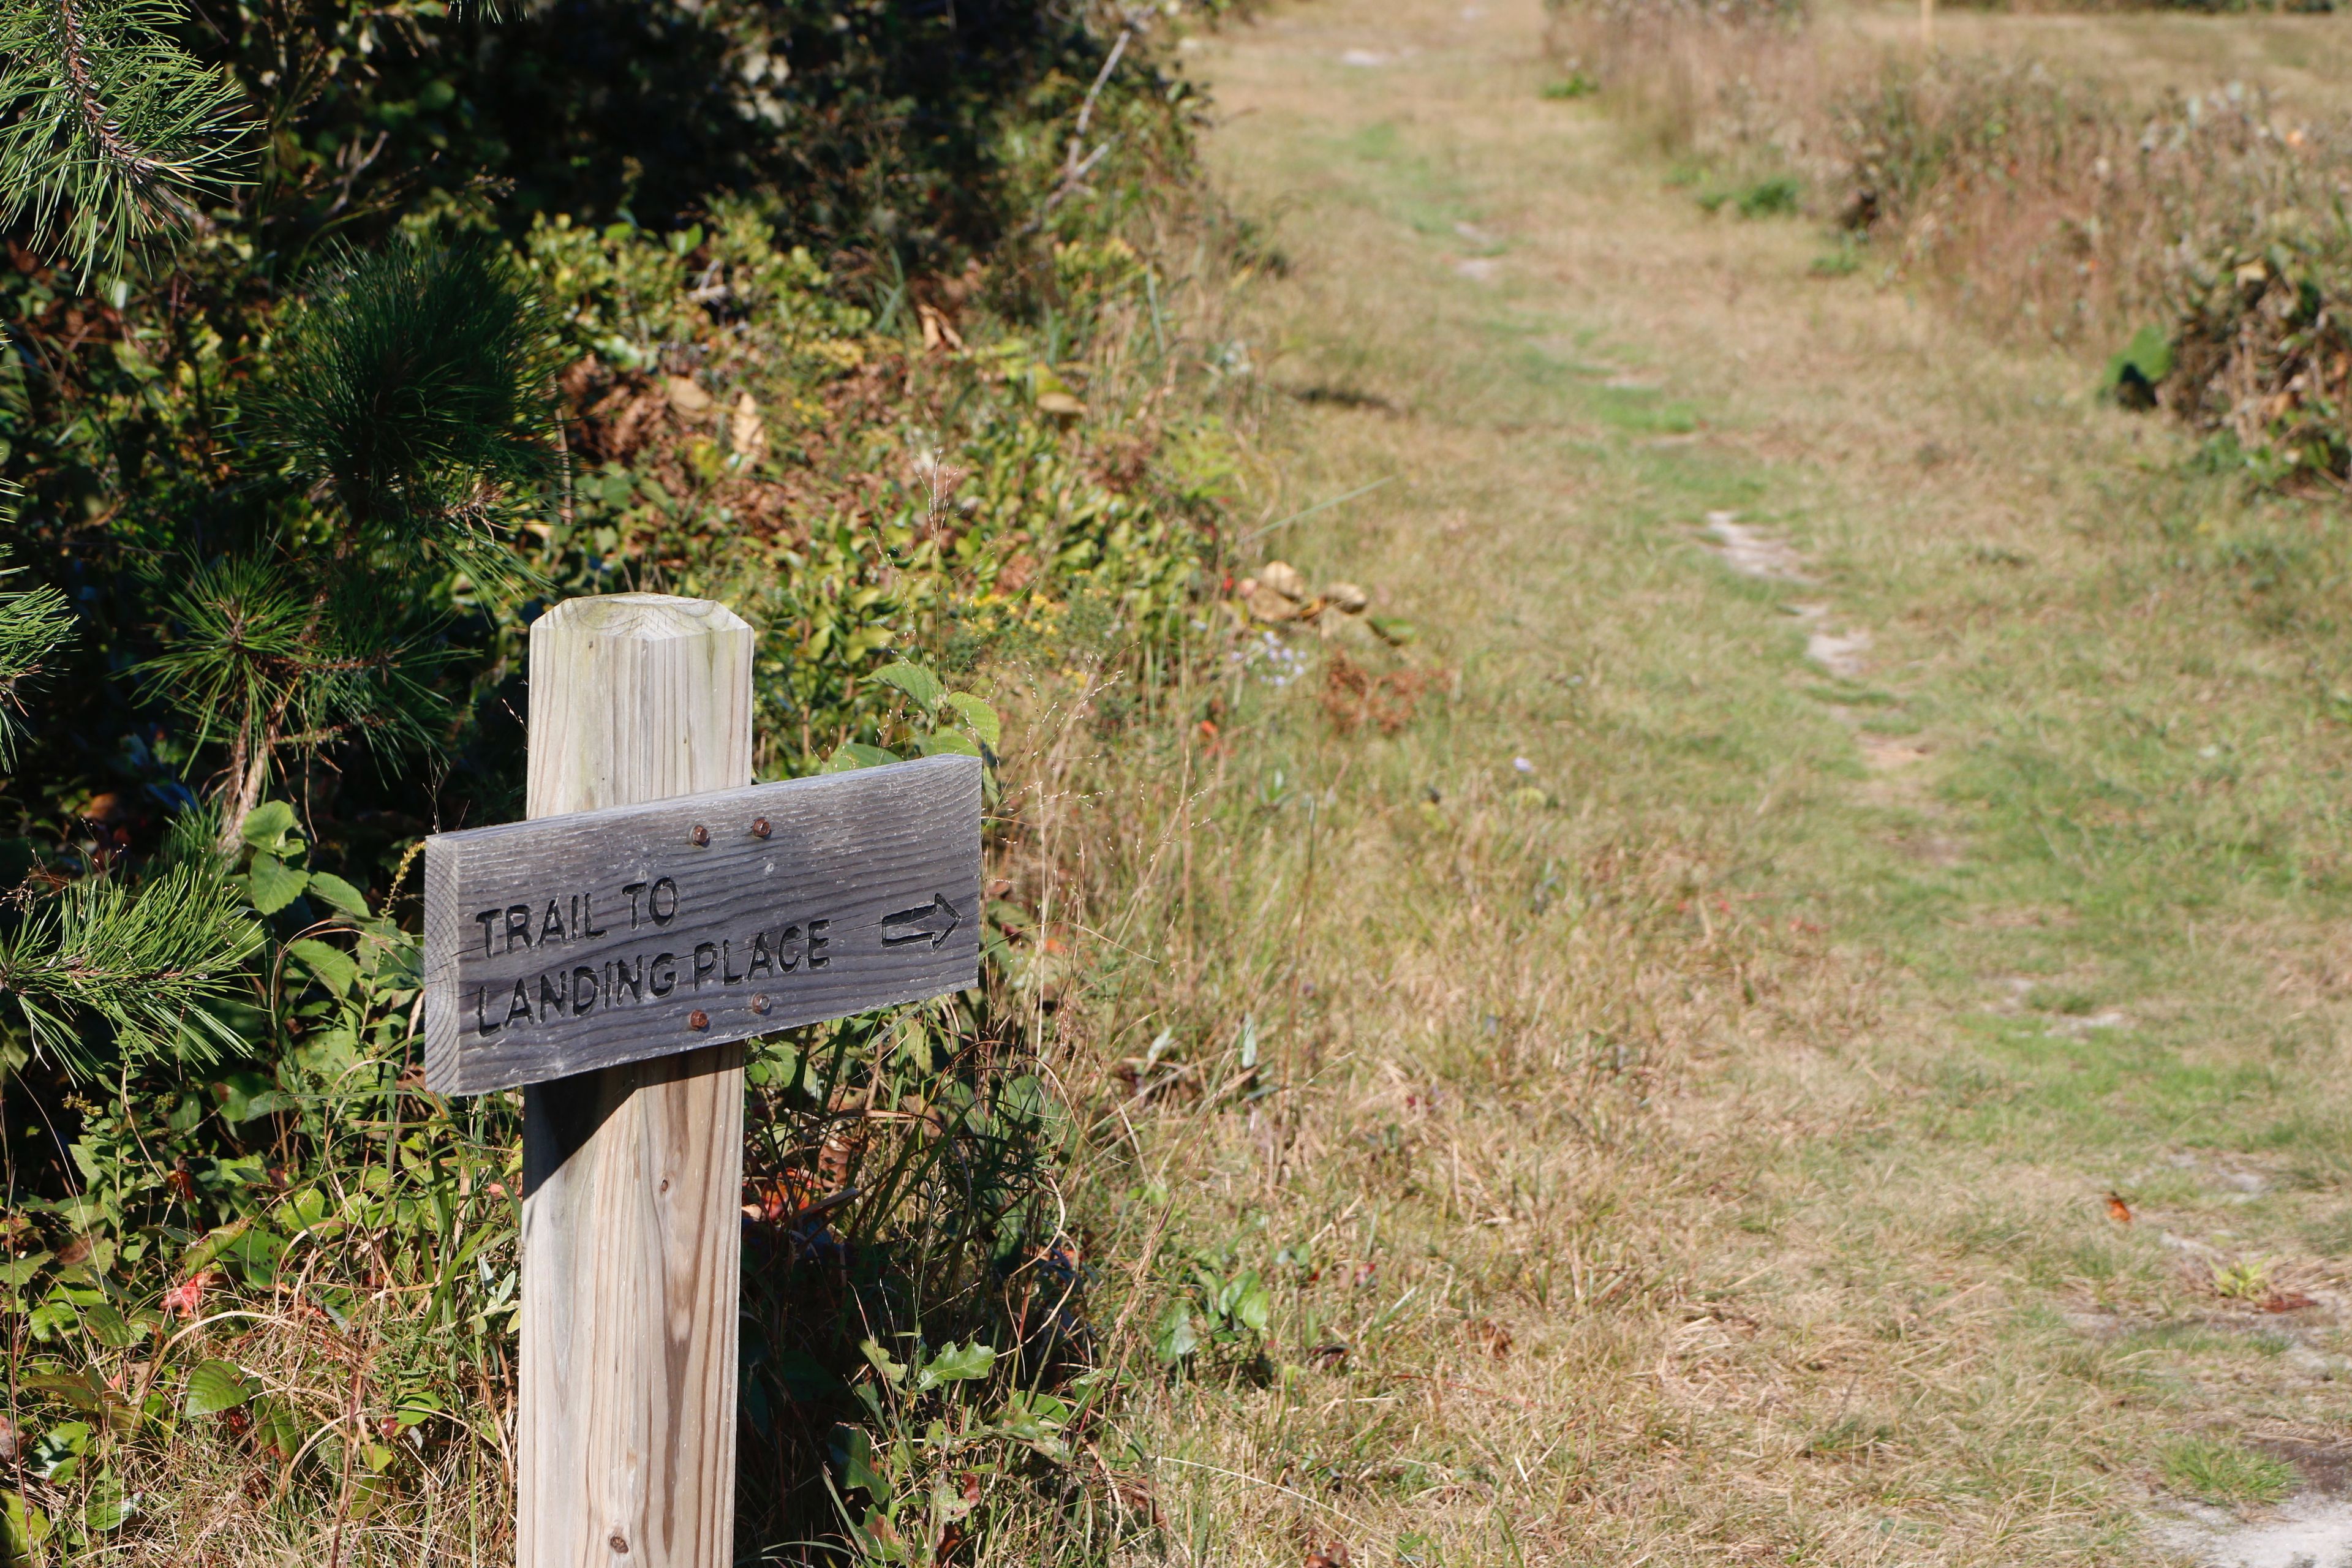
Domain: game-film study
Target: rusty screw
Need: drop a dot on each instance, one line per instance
(760, 829)
(760, 1004)
(697, 1019)
(701, 837)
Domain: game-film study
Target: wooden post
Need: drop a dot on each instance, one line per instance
(633, 1175)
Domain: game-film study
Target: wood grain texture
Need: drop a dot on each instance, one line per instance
(633, 1175)
(632, 1240)
(637, 697)
(598, 938)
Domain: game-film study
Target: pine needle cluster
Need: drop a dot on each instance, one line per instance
(147, 963)
(34, 625)
(110, 133)
(415, 389)
(410, 407)
(143, 963)
(412, 398)
(263, 659)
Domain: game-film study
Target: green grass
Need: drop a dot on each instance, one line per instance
(2219, 1472)
(1843, 260)
(1776, 195)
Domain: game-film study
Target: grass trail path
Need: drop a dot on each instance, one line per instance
(1882, 826)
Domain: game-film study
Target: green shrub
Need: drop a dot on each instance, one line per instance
(2266, 352)
(2136, 369)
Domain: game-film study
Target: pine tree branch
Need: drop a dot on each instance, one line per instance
(147, 964)
(108, 132)
(105, 133)
(32, 626)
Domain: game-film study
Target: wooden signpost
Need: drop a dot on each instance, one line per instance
(611, 953)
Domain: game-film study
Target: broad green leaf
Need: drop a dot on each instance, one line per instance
(304, 1210)
(953, 741)
(57, 1453)
(207, 1250)
(396, 963)
(255, 1256)
(107, 1508)
(275, 1426)
(111, 1328)
(267, 825)
(20, 1271)
(216, 1386)
(915, 681)
(2149, 356)
(340, 893)
(1253, 1308)
(954, 1365)
(371, 1490)
(979, 715)
(326, 1053)
(895, 1371)
(420, 1408)
(856, 1451)
(23, 1529)
(77, 1391)
(335, 968)
(242, 1090)
(1036, 1419)
(1177, 1338)
(272, 884)
(854, 755)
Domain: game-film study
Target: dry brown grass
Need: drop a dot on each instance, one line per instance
(1650, 1155)
(1477, 1125)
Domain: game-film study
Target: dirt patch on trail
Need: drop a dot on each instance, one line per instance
(1840, 653)
(1752, 552)
(2311, 1530)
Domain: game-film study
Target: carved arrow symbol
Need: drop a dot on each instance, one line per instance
(937, 905)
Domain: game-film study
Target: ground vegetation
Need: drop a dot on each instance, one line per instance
(1818, 1037)
(338, 343)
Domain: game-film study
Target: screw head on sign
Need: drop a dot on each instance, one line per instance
(701, 837)
(760, 1004)
(697, 1019)
(760, 829)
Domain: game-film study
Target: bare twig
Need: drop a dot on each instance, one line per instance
(1086, 109)
(1074, 168)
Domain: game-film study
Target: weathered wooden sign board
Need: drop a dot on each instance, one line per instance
(585, 940)
(609, 955)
